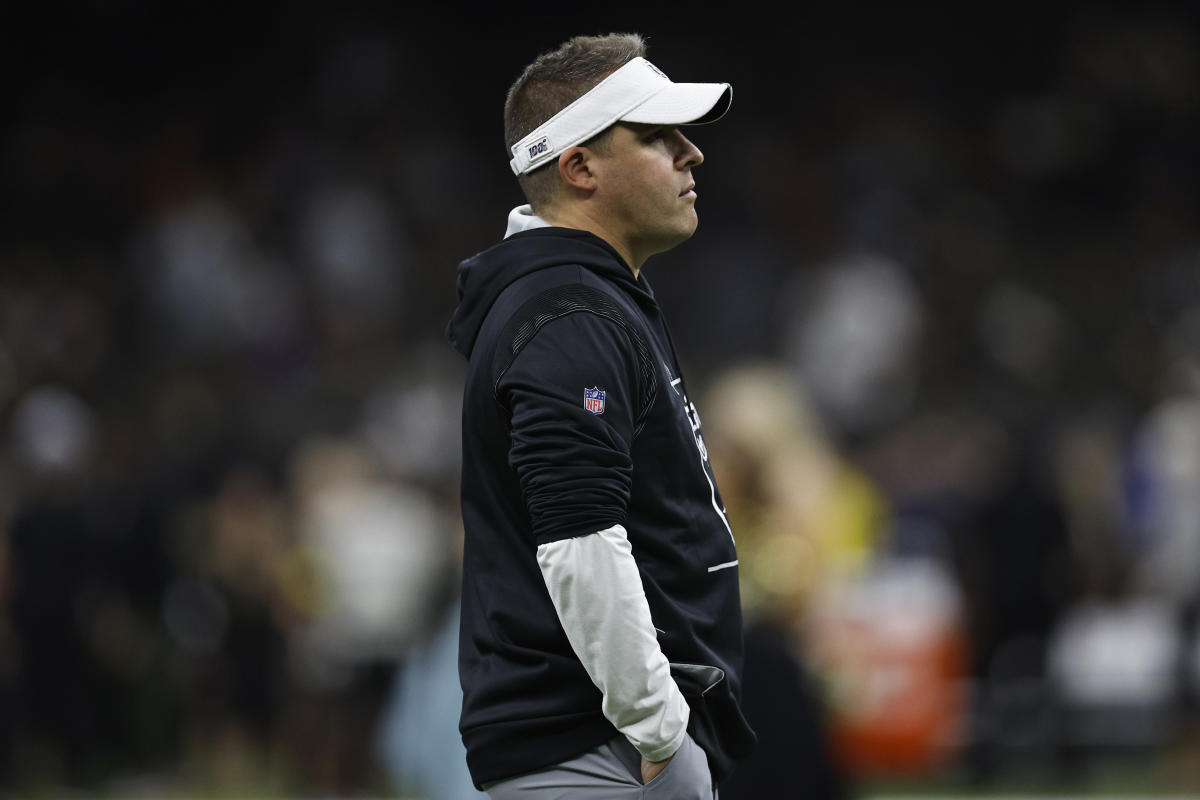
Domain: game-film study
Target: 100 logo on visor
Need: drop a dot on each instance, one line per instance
(539, 147)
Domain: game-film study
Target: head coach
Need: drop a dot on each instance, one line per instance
(600, 649)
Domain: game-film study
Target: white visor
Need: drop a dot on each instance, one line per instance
(637, 92)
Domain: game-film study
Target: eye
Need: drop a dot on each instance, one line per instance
(656, 134)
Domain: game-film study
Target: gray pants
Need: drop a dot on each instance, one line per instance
(613, 771)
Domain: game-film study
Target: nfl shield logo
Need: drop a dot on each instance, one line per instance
(593, 400)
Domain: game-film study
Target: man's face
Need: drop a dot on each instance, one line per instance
(645, 186)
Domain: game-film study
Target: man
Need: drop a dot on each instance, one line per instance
(601, 640)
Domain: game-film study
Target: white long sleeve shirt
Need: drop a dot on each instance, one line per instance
(597, 591)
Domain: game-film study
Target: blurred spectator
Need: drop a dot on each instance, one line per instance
(1167, 522)
(382, 554)
(804, 523)
(854, 342)
(210, 290)
(1115, 668)
(381, 561)
(356, 263)
(419, 741)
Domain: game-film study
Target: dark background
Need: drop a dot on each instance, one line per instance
(227, 249)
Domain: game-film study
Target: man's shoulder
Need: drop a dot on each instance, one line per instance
(565, 316)
(581, 308)
(540, 297)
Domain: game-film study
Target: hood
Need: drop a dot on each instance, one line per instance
(484, 276)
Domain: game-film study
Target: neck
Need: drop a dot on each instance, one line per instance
(579, 219)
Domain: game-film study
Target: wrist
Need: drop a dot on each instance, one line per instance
(663, 752)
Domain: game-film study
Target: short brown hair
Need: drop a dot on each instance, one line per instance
(551, 83)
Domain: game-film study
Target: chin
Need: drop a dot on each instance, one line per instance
(691, 225)
(681, 237)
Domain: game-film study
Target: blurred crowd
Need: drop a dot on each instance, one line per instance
(945, 299)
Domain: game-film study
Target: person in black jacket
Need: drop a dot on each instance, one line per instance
(600, 646)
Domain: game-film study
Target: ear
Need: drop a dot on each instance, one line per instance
(575, 168)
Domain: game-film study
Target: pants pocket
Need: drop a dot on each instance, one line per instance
(686, 778)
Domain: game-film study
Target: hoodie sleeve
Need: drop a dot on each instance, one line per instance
(573, 395)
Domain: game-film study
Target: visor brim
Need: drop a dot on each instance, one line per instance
(683, 104)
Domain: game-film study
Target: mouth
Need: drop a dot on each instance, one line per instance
(689, 190)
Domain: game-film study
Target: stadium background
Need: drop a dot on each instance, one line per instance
(944, 300)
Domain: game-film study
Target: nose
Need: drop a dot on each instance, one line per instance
(686, 153)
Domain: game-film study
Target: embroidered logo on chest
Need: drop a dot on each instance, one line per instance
(593, 400)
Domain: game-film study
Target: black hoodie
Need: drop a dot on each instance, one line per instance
(576, 418)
